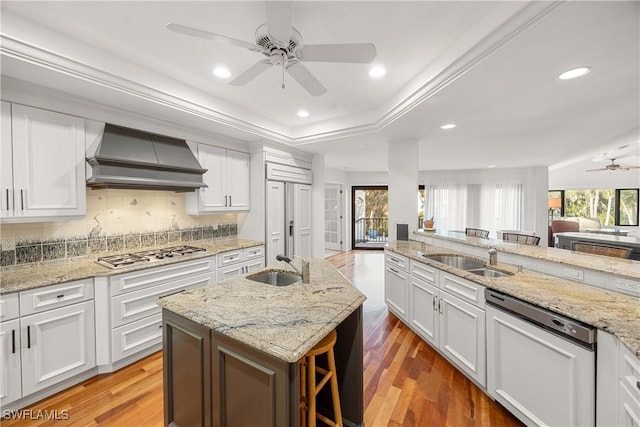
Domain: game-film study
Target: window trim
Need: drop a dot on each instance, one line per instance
(617, 210)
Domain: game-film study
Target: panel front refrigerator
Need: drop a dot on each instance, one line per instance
(288, 213)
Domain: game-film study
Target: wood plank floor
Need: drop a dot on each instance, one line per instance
(406, 383)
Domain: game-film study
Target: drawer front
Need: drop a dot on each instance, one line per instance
(154, 276)
(136, 336)
(629, 366)
(424, 272)
(126, 308)
(9, 307)
(255, 252)
(463, 289)
(230, 257)
(50, 297)
(628, 407)
(399, 261)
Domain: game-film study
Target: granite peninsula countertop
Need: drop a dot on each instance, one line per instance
(36, 275)
(618, 266)
(283, 321)
(610, 311)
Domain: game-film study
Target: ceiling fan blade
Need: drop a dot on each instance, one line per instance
(307, 80)
(361, 53)
(194, 32)
(595, 170)
(279, 18)
(253, 72)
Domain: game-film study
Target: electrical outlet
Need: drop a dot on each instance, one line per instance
(627, 285)
(215, 226)
(8, 243)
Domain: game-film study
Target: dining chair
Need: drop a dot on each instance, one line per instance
(596, 249)
(561, 226)
(477, 232)
(526, 239)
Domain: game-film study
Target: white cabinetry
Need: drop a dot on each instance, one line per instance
(135, 317)
(628, 388)
(52, 341)
(227, 178)
(447, 312)
(43, 164)
(239, 262)
(396, 284)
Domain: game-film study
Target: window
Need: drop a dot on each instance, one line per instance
(612, 207)
(627, 207)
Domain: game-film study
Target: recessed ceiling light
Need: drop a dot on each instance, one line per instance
(377, 72)
(303, 113)
(575, 73)
(222, 72)
(492, 166)
(447, 126)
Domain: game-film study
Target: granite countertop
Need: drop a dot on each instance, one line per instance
(36, 275)
(283, 321)
(609, 311)
(618, 266)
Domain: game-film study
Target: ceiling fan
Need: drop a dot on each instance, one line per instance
(283, 46)
(614, 167)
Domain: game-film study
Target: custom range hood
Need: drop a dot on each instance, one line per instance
(131, 159)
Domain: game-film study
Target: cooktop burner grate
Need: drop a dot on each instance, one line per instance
(126, 260)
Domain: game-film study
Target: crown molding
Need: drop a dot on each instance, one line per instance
(40, 57)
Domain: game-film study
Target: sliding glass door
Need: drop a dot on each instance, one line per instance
(370, 225)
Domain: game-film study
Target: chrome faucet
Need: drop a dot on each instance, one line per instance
(493, 256)
(305, 266)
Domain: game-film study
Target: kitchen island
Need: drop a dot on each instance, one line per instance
(233, 349)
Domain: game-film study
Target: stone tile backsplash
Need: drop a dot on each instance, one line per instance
(116, 220)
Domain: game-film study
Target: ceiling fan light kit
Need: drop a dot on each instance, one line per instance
(283, 46)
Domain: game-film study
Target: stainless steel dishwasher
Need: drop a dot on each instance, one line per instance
(540, 365)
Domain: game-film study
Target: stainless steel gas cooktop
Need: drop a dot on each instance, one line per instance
(135, 258)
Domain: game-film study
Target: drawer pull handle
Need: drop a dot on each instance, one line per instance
(21, 201)
(434, 303)
(638, 384)
(13, 341)
(28, 336)
(230, 201)
(440, 306)
(225, 201)
(393, 269)
(60, 296)
(7, 192)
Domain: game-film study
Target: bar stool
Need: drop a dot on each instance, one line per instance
(309, 387)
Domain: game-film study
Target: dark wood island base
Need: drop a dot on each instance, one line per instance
(211, 379)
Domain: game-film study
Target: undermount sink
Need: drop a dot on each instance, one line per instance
(457, 261)
(275, 278)
(486, 272)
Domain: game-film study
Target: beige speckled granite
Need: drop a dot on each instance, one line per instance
(622, 267)
(20, 278)
(284, 321)
(610, 311)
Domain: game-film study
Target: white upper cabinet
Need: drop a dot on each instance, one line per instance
(43, 164)
(227, 178)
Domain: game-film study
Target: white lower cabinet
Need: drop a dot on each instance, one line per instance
(628, 388)
(453, 326)
(10, 368)
(133, 327)
(239, 262)
(57, 345)
(53, 340)
(396, 284)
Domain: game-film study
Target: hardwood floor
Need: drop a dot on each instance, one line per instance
(406, 383)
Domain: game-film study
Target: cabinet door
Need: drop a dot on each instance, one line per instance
(50, 150)
(424, 313)
(10, 374)
(302, 220)
(57, 345)
(395, 291)
(253, 265)
(6, 164)
(213, 198)
(275, 219)
(230, 271)
(238, 184)
(462, 336)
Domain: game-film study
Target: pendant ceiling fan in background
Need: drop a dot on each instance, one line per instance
(614, 167)
(283, 46)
